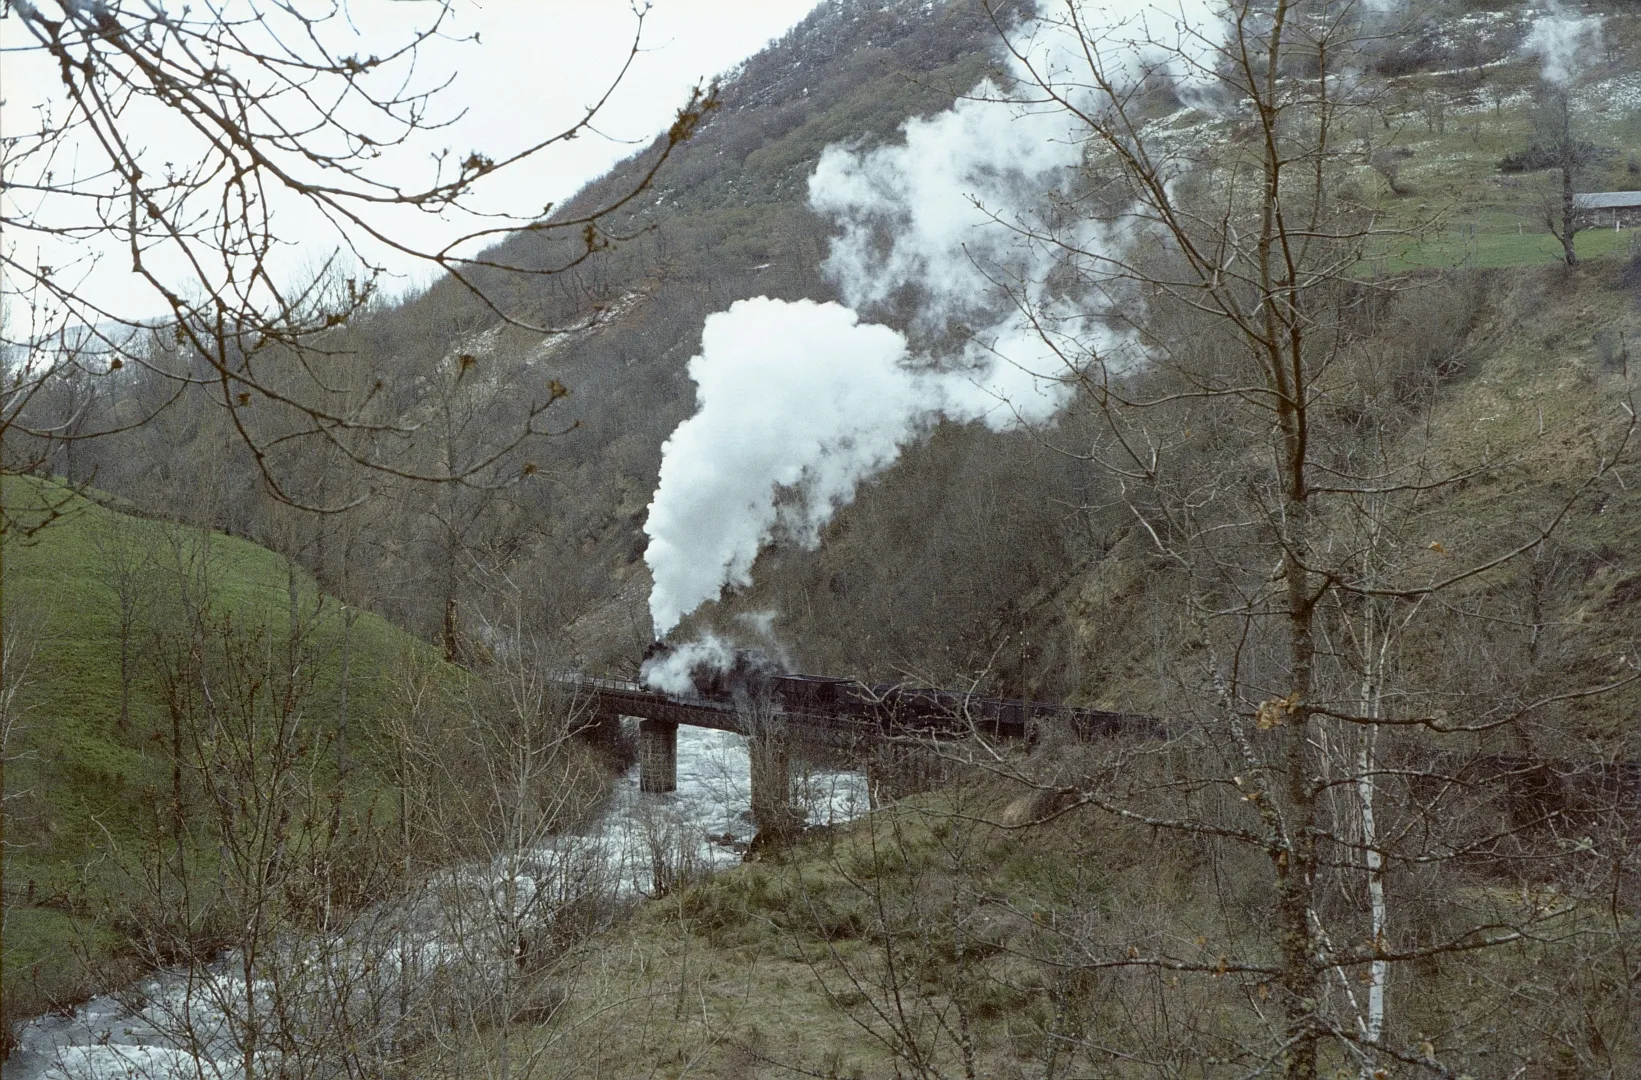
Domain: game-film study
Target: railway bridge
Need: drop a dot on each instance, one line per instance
(839, 713)
(775, 711)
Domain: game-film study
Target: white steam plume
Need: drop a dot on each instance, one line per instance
(800, 398)
(965, 202)
(960, 220)
(797, 396)
(1565, 42)
(670, 672)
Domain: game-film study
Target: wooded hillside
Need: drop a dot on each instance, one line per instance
(963, 544)
(1340, 484)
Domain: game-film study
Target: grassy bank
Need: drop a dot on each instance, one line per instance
(76, 772)
(949, 937)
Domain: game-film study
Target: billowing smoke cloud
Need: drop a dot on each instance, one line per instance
(797, 404)
(969, 229)
(939, 223)
(670, 671)
(791, 396)
(1565, 42)
(937, 199)
(965, 210)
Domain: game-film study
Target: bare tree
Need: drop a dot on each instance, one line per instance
(232, 887)
(125, 547)
(769, 752)
(490, 784)
(193, 134)
(1298, 534)
(1554, 132)
(466, 409)
(914, 991)
(19, 644)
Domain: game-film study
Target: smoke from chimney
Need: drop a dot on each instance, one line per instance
(1565, 42)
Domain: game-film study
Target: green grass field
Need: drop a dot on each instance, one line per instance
(71, 774)
(1489, 250)
(1450, 173)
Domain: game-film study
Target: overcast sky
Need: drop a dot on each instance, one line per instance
(536, 66)
(539, 61)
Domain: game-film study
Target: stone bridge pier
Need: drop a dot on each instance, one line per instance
(657, 756)
(769, 755)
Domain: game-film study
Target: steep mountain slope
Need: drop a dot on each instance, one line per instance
(935, 570)
(943, 568)
(726, 221)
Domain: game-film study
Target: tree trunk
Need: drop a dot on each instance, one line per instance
(125, 663)
(1569, 226)
(1376, 642)
(452, 640)
(1379, 911)
(1294, 851)
(1569, 166)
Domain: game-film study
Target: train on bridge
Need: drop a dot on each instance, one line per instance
(733, 693)
(746, 692)
(752, 683)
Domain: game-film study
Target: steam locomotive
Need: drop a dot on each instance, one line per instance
(754, 678)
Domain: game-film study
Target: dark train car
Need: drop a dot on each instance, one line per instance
(1091, 724)
(900, 710)
(1010, 718)
(913, 711)
(937, 712)
(931, 712)
(810, 693)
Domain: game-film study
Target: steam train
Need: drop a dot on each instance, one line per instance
(753, 678)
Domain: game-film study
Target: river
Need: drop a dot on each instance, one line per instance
(703, 826)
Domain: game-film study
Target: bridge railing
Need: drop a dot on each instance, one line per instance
(604, 685)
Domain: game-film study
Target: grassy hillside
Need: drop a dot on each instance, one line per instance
(949, 936)
(1451, 130)
(73, 777)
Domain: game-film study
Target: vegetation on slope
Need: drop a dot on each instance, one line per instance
(1521, 363)
(981, 931)
(729, 220)
(81, 764)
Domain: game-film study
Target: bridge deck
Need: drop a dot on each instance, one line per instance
(851, 722)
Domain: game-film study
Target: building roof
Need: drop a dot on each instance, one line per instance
(1608, 200)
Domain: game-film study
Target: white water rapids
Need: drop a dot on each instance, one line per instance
(702, 827)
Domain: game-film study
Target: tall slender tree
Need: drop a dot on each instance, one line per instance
(1299, 511)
